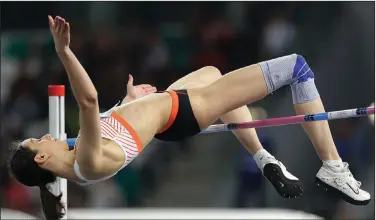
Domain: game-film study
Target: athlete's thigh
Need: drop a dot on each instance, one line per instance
(197, 79)
(235, 89)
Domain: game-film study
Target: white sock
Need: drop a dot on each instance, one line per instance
(261, 158)
(334, 165)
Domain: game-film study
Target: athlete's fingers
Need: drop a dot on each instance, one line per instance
(51, 22)
(130, 80)
(144, 86)
(68, 28)
(62, 25)
(150, 90)
(57, 24)
(64, 29)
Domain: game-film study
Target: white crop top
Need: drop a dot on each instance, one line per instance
(115, 128)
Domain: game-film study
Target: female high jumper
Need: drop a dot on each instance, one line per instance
(109, 141)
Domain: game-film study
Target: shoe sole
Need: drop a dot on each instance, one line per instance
(331, 190)
(289, 188)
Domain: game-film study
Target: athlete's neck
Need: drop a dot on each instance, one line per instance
(66, 169)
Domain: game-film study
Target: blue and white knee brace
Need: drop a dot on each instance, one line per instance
(291, 70)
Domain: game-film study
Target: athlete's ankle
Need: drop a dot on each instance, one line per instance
(334, 165)
(330, 152)
(254, 148)
(261, 156)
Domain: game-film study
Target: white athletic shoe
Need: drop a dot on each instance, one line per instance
(286, 184)
(343, 184)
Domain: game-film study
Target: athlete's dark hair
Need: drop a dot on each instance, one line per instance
(23, 167)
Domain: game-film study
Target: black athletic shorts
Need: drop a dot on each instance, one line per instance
(182, 122)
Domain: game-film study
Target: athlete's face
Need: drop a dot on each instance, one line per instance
(46, 147)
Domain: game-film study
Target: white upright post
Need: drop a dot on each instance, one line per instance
(56, 95)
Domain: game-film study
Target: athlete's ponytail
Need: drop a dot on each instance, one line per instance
(52, 206)
(29, 173)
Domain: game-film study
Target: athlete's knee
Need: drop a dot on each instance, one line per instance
(291, 70)
(211, 71)
(301, 72)
(208, 74)
(303, 87)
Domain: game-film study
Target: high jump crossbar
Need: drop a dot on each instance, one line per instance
(271, 122)
(56, 119)
(298, 119)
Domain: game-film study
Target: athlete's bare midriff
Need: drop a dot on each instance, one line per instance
(147, 115)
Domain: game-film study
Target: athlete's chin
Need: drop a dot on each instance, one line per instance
(61, 144)
(66, 147)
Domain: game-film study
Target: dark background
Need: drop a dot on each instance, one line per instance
(159, 42)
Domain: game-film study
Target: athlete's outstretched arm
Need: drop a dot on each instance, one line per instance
(85, 94)
(82, 87)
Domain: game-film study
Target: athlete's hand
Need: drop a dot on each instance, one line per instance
(60, 31)
(138, 91)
